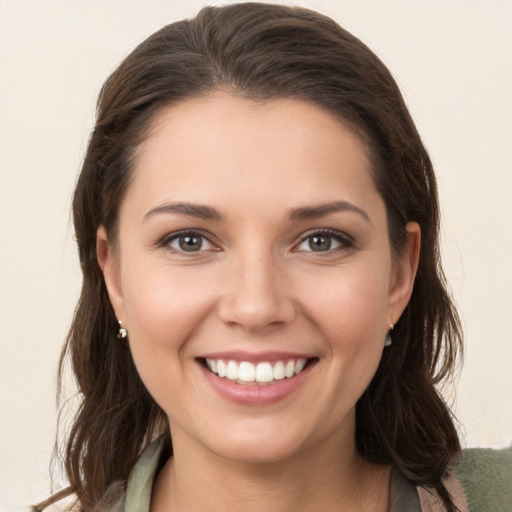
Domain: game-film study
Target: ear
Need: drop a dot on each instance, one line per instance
(108, 261)
(405, 267)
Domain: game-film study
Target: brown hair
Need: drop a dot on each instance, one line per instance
(261, 51)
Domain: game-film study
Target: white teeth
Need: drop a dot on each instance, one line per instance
(279, 370)
(262, 373)
(289, 370)
(299, 366)
(221, 368)
(232, 371)
(246, 372)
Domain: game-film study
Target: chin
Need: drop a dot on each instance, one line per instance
(261, 444)
(258, 452)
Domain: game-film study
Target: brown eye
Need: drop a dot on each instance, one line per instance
(189, 242)
(320, 242)
(324, 241)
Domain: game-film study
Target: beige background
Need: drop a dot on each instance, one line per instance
(452, 59)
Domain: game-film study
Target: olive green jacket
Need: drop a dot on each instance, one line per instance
(480, 481)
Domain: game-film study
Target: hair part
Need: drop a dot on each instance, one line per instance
(261, 52)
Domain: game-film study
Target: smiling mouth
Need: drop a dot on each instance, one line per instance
(263, 373)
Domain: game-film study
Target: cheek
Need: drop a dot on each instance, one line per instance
(349, 310)
(350, 305)
(164, 309)
(163, 305)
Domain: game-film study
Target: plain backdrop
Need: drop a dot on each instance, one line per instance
(452, 59)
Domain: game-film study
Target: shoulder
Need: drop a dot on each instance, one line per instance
(486, 477)
(135, 494)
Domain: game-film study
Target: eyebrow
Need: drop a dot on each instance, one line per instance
(315, 212)
(297, 214)
(192, 210)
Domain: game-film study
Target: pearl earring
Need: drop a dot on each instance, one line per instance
(387, 340)
(123, 333)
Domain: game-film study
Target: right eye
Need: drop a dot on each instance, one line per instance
(188, 242)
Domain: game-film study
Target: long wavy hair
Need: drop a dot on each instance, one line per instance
(260, 51)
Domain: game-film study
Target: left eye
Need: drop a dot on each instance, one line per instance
(189, 242)
(322, 242)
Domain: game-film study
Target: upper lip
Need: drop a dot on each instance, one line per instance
(253, 357)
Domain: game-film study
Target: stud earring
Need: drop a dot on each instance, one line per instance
(387, 340)
(123, 333)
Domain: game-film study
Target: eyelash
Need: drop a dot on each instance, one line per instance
(176, 235)
(344, 240)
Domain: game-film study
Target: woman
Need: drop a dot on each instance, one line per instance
(257, 223)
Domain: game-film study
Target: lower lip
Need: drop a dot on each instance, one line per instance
(256, 394)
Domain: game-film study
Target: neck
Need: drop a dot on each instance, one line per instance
(326, 479)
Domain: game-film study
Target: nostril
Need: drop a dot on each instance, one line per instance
(256, 312)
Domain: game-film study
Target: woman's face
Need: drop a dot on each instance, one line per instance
(254, 275)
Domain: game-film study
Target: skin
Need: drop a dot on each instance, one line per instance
(257, 286)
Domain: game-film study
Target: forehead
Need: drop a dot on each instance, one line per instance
(221, 145)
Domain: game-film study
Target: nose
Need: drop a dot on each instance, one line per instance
(257, 296)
